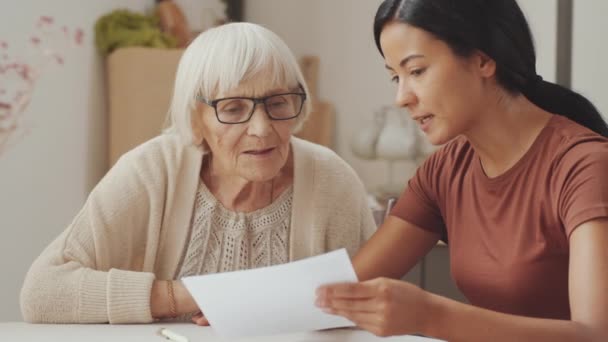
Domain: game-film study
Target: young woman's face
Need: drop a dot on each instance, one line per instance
(255, 150)
(441, 90)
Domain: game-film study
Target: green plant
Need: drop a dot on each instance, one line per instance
(122, 28)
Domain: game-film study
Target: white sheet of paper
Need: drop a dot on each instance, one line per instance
(271, 300)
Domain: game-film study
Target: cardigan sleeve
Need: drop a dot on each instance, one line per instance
(92, 272)
(342, 198)
(368, 224)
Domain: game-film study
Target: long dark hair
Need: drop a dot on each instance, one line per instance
(499, 29)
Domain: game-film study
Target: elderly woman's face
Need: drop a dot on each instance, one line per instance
(255, 150)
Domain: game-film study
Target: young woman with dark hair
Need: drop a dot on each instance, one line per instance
(519, 189)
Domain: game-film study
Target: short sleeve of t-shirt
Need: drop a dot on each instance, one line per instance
(582, 182)
(418, 204)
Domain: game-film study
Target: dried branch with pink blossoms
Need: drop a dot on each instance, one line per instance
(19, 74)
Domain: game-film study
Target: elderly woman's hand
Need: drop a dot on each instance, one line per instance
(165, 297)
(381, 306)
(199, 319)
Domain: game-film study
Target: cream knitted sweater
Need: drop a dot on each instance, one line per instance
(134, 228)
(222, 240)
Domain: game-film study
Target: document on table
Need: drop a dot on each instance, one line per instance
(271, 300)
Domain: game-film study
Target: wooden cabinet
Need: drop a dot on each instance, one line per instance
(140, 86)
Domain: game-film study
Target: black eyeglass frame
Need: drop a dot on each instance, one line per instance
(256, 101)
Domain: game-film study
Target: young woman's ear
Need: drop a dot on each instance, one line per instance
(484, 64)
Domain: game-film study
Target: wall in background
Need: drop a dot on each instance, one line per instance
(45, 177)
(542, 17)
(589, 52)
(201, 14)
(353, 76)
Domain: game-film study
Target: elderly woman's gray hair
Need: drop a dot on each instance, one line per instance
(219, 59)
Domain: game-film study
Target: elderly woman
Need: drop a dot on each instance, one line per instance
(226, 187)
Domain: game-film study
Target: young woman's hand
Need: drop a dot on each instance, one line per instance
(381, 306)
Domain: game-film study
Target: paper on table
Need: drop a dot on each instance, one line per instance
(271, 300)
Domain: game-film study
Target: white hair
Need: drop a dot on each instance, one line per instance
(219, 59)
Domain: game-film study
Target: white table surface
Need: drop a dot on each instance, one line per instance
(19, 331)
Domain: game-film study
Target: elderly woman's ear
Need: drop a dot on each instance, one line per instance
(197, 126)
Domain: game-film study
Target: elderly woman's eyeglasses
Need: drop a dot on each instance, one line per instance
(235, 110)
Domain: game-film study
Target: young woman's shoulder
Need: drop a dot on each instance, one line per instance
(574, 143)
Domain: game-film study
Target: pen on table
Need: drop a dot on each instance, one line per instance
(171, 335)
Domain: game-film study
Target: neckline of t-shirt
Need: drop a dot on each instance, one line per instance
(520, 163)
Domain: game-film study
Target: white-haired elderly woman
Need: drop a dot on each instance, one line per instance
(226, 187)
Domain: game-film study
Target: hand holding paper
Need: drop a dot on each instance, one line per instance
(271, 300)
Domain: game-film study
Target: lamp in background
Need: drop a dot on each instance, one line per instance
(391, 137)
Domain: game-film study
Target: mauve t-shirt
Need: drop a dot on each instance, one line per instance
(508, 235)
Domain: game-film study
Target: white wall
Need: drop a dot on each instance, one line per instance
(45, 177)
(202, 14)
(352, 76)
(590, 52)
(542, 18)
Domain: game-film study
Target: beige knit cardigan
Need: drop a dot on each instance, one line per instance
(135, 224)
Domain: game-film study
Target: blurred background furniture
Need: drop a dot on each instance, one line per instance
(140, 86)
(320, 125)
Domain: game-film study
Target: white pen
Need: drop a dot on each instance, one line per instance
(171, 335)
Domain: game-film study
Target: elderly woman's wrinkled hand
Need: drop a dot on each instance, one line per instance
(381, 306)
(199, 319)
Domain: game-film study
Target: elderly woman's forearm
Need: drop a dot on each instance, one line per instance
(70, 293)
